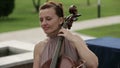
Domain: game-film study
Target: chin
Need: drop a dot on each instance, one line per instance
(47, 32)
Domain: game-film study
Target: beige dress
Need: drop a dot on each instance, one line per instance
(48, 51)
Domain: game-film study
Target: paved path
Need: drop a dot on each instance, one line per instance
(36, 34)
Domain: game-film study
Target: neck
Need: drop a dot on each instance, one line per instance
(53, 34)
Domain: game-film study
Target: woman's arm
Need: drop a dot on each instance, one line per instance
(84, 52)
(37, 52)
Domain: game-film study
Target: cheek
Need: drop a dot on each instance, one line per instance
(56, 26)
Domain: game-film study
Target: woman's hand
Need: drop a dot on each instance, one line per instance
(66, 33)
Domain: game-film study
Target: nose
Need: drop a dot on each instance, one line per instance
(44, 22)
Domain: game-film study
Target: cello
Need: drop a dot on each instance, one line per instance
(57, 60)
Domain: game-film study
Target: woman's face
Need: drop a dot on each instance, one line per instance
(50, 22)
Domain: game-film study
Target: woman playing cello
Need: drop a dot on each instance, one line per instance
(74, 49)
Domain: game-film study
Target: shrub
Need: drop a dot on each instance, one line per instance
(6, 7)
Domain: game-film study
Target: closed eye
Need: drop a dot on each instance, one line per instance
(41, 19)
(48, 18)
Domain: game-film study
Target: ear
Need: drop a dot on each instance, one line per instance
(61, 20)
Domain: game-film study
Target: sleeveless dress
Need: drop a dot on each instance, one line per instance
(49, 49)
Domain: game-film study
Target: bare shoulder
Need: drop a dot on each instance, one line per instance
(37, 52)
(77, 37)
(39, 47)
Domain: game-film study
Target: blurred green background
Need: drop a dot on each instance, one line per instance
(24, 15)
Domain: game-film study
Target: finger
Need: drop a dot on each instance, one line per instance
(61, 35)
(62, 30)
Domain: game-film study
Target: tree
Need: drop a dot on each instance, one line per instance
(6, 7)
(36, 4)
(88, 2)
(47, 0)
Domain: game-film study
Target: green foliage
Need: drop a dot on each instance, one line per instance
(6, 7)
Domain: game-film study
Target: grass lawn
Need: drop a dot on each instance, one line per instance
(112, 30)
(24, 15)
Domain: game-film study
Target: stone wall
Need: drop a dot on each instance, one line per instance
(16, 54)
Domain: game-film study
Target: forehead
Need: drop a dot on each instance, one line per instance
(47, 12)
